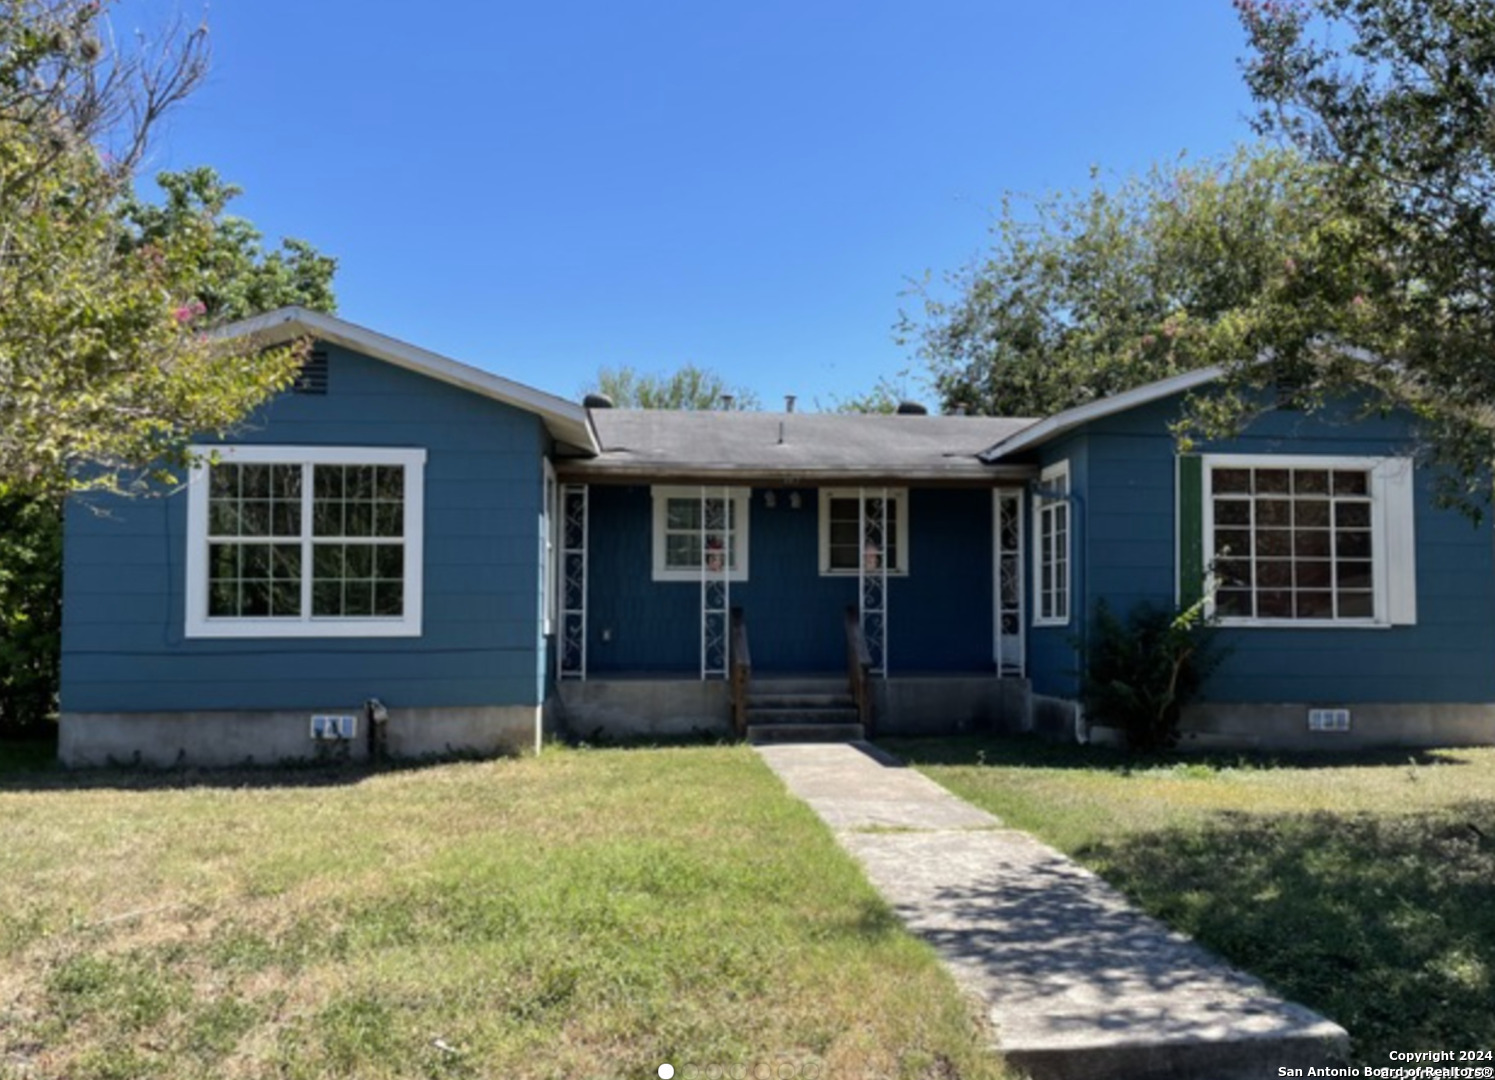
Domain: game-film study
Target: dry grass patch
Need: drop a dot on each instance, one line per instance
(588, 913)
(1362, 886)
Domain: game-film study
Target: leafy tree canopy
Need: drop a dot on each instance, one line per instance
(1395, 99)
(1088, 293)
(237, 277)
(107, 365)
(688, 387)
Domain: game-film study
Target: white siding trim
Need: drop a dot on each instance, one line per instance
(740, 496)
(1056, 475)
(1393, 539)
(898, 496)
(197, 623)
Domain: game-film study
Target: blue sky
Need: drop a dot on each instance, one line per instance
(544, 188)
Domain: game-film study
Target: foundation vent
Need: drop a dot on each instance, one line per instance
(1328, 719)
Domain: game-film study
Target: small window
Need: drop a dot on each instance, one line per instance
(863, 531)
(1306, 541)
(706, 525)
(304, 542)
(1051, 548)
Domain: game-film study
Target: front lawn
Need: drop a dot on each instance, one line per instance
(588, 913)
(1362, 887)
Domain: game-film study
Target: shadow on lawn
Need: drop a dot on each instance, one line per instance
(31, 765)
(1033, 752)
(1385, 923)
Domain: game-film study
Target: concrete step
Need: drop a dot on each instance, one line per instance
(799, 684)
(782, 732)
(842, 700)
(800, 714)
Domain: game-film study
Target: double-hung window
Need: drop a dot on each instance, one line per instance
(1307, 541)
(1051, 550)
(693, 525)
(289, 541)
(863, 530)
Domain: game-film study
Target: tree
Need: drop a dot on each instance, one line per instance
(236, 277)
(689, 387)
(1089, 293)
(106, 365)
(1394, 99)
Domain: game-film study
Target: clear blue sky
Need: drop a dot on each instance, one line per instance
(546, 187)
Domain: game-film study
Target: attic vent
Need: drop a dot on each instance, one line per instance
(911, 408)
(312, 378)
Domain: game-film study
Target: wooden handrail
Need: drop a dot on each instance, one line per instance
(859, 668)
(741, 660)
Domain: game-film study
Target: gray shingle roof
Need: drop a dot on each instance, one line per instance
(660, 443)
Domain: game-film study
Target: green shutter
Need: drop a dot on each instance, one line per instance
(1190, 529)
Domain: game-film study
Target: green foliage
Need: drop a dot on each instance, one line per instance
(107, 361)
(236, 277)
(1393, 99)
(1087, 294)
(884, 397)
(689, 387)
(30, 611)
(1140, 672)
(106, 365)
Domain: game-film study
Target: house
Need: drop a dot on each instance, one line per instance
(409, 553)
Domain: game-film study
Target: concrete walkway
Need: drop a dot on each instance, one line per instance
(1081, 986)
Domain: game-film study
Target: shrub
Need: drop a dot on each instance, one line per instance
(1142, 670)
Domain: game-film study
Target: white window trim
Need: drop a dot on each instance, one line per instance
(199, 624)
(1049, 478)
(1393, 536)
(550, 521)
(895, 495)
(741, 498)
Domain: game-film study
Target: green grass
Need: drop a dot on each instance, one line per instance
(587, 913)
(1362, 887)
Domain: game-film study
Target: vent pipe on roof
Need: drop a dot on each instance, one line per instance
(788, 403)
(958, 410)
(727, 400)
(597, 401)
(911, 408)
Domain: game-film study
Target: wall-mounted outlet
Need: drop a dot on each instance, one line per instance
(1328, 719)
(334, 727)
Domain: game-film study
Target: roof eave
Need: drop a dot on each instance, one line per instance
(735, 474)
(567, 422)
(1069, 419)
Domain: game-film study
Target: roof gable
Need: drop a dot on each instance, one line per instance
(566, 421)
(1066, 421)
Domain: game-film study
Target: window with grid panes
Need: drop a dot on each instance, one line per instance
(324, 540)
(1293, 543)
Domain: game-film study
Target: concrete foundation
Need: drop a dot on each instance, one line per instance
(1285, 726)
(1054, 718)
(911, 705)
(949, 705)
(269, 737)
(645, 708)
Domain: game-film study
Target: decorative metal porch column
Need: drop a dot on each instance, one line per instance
(872, 576)
(573, 636)
(1007, 603)
(716, 583)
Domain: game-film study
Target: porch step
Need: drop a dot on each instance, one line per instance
(760, 702)
(805, 732)
(777, 685)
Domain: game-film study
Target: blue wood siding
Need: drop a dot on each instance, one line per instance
(939, 615)
(124, 574)
(1128, 494)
